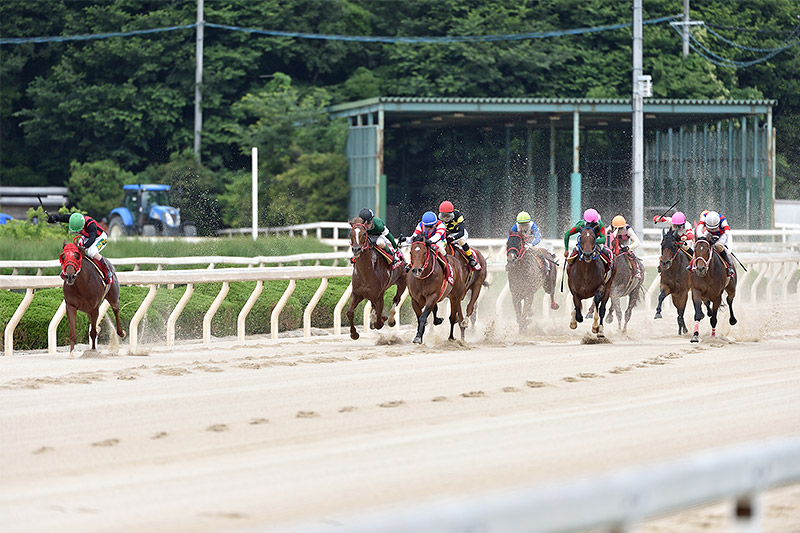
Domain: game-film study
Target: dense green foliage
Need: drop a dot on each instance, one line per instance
(130, 99)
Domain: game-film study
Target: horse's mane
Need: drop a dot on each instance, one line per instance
(419, 237)
(357, 220)
(670, 235)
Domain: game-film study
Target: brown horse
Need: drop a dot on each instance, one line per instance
(709, 280)
(85, 290)
(372, 276)
(526, 274)
(586, 280)
(475, 279)
(428, 285)
(624, 285)
(675, 278)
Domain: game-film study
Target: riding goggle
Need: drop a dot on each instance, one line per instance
(429, 227)
(446, 217)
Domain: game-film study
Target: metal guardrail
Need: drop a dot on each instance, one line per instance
(612, 502)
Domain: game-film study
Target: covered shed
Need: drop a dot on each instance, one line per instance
(557, 156)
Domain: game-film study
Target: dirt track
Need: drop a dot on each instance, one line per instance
(240, 436)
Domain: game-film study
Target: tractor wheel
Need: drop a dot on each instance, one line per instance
(149, 230)
(116, 228)
(190, 230)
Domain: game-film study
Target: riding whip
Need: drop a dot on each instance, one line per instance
(737, 260)
(668, 210)
(41, 204)
(563, 274)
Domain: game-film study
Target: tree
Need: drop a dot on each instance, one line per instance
(96, 187)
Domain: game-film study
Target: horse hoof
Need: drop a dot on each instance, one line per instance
(695, 338)
(437, 321)
(600, 335)
(391, 323)
(354, 335)
(658, 315)
(123, 334)
(378, 326)
(417, 340)
(463, 324)
(554, 306)
(573, 324)
(733, 321)
(595, 329)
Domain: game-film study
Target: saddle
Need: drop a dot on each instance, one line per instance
(606, 257)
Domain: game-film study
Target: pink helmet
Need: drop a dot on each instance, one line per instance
(590, 215)
(678, 218)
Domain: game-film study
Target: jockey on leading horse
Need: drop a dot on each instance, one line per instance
(591, 219)
(380, 235)
(626, 239)
(715, 228)
(92, 238)
(456, 232)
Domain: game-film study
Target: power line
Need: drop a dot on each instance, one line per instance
(719, 60)
(352, 38)
(749, 49)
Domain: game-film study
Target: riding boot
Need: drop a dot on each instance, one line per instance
(727, 257)
(105, 269)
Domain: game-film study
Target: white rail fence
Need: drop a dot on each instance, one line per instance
(612, 502)
(770, 277)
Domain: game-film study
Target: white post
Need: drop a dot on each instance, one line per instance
(638, 123)
(255, 193)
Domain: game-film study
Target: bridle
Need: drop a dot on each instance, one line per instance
(70, 257)
(701, 269)
(519, 251)
(591, 255)
(674, 248)
(358, 248)
(427, 259)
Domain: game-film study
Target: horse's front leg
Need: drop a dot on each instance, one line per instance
(597, 326)
(698, 316)
(377, 309)
(436, 318)
(714, 310)
(661, 296)
(577, 316)
(72, 313)
(422, 320)
(355, 299)
(601, 311)
(679, 301)
(93, 314)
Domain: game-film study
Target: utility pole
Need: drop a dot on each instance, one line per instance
(198, 81)
(685, 28)
(637, 122)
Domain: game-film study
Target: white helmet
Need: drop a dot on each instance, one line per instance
(712, 220)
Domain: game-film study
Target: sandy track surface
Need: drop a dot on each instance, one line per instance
(249, 435)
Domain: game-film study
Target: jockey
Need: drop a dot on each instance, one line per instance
(527, 228)
(627, 240)
(591, 219)
(716, 229)
(456, 232)
(92, 238)
(701, 224)
(681, 227)
(380, 235)
(433, 230)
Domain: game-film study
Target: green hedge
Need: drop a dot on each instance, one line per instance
(31, 332)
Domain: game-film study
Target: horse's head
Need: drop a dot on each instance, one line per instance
(702, 257)
(586, 244)
(358, 236)
(70, 260)
(513, 248)
(669, 248)
(420, 255)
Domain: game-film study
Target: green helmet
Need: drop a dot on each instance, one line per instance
(523, 217)
(76, 222)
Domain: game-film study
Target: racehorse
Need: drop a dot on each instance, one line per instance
(526, 274)
(428, 285)
(675, 278)
(475, 279)
(709, 280)
(372, 276)
(84, 290)
(586, 276)
(624, 285)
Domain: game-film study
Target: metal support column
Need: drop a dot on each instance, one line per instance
(552, 188)
(575, 177)
(757, 177)
(637, 183)
(769, 187)
(745, 181)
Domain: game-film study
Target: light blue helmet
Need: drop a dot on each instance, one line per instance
(429, 218)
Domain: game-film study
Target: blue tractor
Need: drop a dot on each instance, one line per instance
(146, 211)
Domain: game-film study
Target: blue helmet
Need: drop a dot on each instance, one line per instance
(429, 218)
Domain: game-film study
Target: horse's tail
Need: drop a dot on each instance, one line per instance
(486, 283)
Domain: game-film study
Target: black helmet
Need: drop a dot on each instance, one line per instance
(366, 214)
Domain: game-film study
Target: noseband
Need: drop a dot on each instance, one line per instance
(427, 259)
(358, 248)
(701, 269)
(70, 256)
(674, 249)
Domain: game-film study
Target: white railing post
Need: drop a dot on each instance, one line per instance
(366, 317)
(762, 271)
(173, 316)
(134, 327)
(223, 292)
(337, 311)
(52, 327)
(501, 300)
(397, 313)
(248, 306)
(323, 285)
(12, 324)
(276, 312)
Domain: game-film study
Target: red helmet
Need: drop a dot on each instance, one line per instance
(446, 207)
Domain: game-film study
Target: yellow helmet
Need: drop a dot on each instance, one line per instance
(618, 221)
(523, 217)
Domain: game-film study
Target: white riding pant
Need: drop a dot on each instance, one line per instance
(463, 239)
(99, 243)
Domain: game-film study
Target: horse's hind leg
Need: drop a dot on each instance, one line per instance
(436, 319)
(679, 301)
(729, 298)
(597, 324)
(93, 314)
(661, 296)
(72, 313)
(113, 300)
(394, 311)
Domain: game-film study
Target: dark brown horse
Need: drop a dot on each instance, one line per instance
(85, 290)
(586, 276)
(428, 285)
(709, 280)
(372, 276)
(675, 278)
(527, 273)
(625, 284)
(475, 279)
